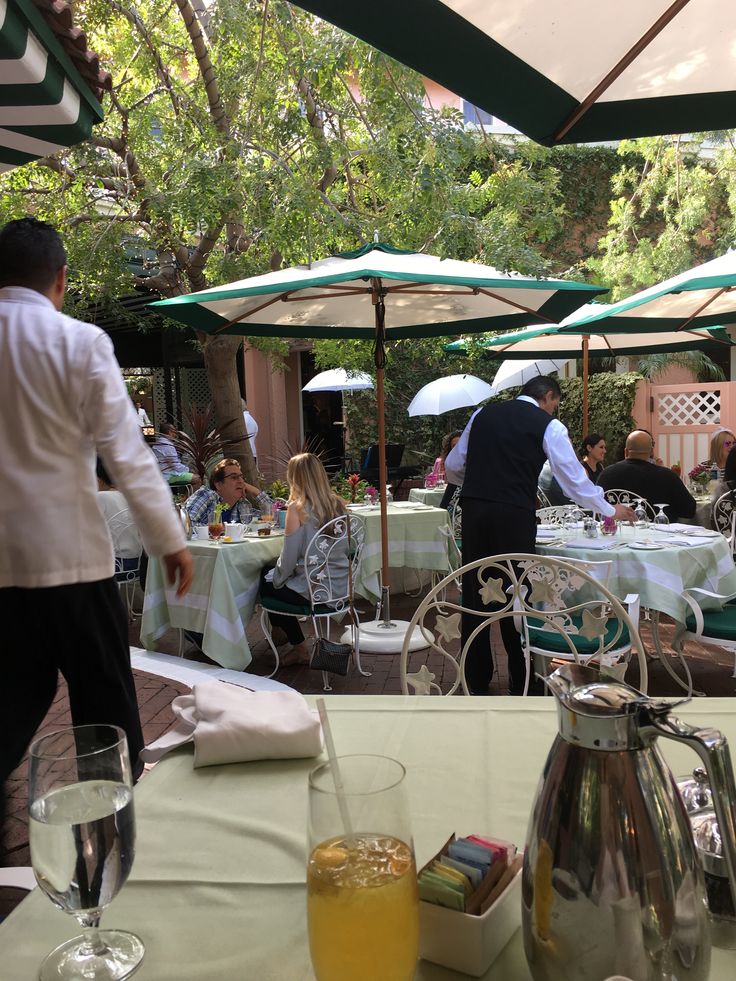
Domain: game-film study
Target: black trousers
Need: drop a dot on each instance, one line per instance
(290, 625)
(492, 529)
(80, 630)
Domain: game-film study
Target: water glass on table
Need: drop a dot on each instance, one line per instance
(362, 897)
(82, 838)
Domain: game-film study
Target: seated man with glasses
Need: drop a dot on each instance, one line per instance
(229, 487)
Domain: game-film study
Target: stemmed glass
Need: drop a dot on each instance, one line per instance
(362, 898)
(82, 837)
(640, 512)
(660, 518)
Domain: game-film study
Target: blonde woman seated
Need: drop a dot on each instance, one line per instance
(312, 503)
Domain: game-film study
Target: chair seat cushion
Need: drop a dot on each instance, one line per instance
(716, 623)
(550, 640)
(275, 605)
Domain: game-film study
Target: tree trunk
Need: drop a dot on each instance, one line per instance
(219, 360)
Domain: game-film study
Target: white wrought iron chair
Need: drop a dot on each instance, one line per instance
(716, 627)
(617, 495)
(559, 609)
(557, 514)
(724, 517)
(127, 567)
(329, 596)
(542, 500)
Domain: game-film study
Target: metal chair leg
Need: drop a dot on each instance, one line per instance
(356, 643)
(266, 628)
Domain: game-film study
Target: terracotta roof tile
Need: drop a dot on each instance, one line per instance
(58, 16)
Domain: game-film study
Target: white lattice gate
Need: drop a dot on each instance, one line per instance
(683, 418)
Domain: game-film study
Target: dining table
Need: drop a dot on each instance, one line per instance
(418, 539)
(217, 888)
(220, 601)
(657, 563)
(428, 495)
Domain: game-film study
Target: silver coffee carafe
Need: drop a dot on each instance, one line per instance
(612, 883)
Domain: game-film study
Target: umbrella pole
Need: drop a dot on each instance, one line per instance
(380, 362)
(586, 341)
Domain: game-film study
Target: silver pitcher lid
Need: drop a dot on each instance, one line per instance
(695, 791)
(585, 691)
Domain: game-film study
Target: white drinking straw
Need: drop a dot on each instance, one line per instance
(336, 775)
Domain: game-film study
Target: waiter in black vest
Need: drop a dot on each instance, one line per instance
(497, 461)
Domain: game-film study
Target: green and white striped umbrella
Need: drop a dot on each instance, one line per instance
(45, 104)
(570, 340)
(565, 71)
(704, 296)
(377, 293)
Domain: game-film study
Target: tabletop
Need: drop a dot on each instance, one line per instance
(217, 889)
(415, 541)
(427, 495)
(661, 573)
(220, 601)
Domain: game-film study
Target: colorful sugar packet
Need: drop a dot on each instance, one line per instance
(468, 873)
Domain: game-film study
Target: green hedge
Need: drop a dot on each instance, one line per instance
(610, 401)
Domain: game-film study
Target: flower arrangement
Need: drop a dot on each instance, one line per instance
(371, 494)
(700, 474)
(350, 487)
(608, 525)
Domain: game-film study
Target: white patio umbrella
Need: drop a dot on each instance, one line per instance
(339, 380)
(446, 394)
(565, 72)
(513, 373)
(378, 293)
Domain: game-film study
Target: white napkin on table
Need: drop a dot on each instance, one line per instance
(231, 725)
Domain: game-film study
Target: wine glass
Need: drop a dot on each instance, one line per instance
(640, 513)
(660, 518)
(82, 837)
(362, 898)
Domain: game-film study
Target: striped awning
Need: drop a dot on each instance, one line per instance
(45, 103)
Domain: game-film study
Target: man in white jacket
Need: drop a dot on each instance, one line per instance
(62, 402)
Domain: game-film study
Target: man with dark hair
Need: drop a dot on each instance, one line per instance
(229, 488)
(62, 401)
(497, 462)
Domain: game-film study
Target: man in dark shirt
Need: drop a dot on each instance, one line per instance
(657, 485)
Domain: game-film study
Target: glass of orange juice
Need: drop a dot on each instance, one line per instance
(362, 900)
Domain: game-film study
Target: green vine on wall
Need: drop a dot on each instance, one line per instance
(610, 403)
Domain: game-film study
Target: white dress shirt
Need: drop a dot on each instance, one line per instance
(565, 466)
(143, 419)
(251, 428)
(62, 401)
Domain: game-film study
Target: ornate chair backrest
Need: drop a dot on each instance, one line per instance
(557, 515)
(337, 545)
(617, 495)
(542, 499)
(724, 515)
(454, 509)
(554, 593)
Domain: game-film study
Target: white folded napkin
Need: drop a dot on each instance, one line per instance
(229, 724)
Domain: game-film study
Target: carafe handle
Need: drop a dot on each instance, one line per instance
(712, 748)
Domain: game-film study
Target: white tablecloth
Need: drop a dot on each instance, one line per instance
(217, 889)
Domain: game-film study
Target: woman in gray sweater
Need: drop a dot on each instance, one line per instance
(312, 503)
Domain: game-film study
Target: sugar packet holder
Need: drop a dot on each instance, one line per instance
(469, 942)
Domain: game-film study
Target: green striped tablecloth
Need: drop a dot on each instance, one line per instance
(424, 495)
(220, 601)
(415, 541)
(660, 576)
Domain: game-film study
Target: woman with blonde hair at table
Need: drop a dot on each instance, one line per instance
(312, 503)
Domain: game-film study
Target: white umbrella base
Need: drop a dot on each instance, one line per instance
(375, 638)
